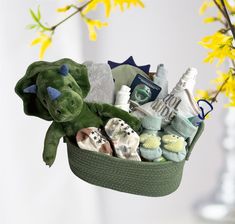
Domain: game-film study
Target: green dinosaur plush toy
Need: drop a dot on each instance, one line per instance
(55, 91)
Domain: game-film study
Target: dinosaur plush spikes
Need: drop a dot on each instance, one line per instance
(53, 93)
(64, 70)
(30, 89)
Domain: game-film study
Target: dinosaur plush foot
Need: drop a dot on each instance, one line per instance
(49, 155)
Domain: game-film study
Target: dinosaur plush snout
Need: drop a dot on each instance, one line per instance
(64, 106)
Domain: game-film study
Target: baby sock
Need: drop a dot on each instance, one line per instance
(92, 139)
(173, 141)
(150, 142)
(182, 127)
(125, 140)
(161, 80)
(173, 147)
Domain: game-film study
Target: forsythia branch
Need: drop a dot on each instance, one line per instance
(46, 33)
(221, 46)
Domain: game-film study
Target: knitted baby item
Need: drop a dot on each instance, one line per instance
(150, 142)
(125, 140)
(100, 75)
(173, 147)
(93, 140)
(122, 98)
(179, 130)
(161, 80)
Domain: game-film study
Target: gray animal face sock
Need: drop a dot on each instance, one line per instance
(92, 139)
(100, 74)
(124, 140)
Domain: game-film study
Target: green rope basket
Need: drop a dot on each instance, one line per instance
(142, 178)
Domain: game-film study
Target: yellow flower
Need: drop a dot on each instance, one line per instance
(232, 102)
(111, 4)
(221, 79)
(122, 3)
(205, 5)
(203, 94)
(92, 26)
(210, 20)
(220, 45)
(226, 81)
(45, 42)
(220, 15)
(231, 7)
(63, 9)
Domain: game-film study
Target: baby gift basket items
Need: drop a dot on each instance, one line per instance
(124, 130)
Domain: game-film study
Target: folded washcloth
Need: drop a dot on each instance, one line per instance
(124, 73)
(100, 75)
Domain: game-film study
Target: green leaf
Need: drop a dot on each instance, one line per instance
(39, 13)
(31, 26)
(35, 18)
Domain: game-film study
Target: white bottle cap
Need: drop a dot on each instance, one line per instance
(190, 73)
(187, 81)
(125, 88)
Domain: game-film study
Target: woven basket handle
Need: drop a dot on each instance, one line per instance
(197, 136)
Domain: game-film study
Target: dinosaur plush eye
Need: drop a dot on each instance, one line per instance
(44, 101)
(58, 112)
(70, 86)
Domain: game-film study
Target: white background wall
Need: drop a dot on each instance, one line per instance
(165, 32)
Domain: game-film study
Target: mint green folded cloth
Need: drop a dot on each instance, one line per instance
(181, 126)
